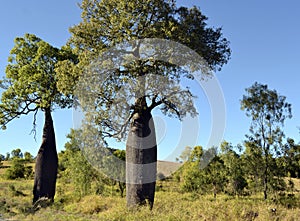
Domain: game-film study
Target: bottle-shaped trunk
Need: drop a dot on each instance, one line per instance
(141, 159)
(46, 163)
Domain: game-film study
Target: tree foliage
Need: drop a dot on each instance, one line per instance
(108, 23)
(121, 155)
(28, 157)
(16, 153)
(268, 111)
(2, 158)
(235, 172)
(74, 167)
(202, 174)
(18, 169)
(30, 82)
(186, 153)
(291, 158)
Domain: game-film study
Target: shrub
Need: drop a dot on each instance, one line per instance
(18, 170)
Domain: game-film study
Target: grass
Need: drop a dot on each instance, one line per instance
(169, 205)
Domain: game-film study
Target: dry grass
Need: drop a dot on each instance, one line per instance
(168, 206)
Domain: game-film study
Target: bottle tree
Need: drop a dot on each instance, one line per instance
(107, 24)
(29, 87)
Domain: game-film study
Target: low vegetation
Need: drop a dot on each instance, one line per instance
(172, 202)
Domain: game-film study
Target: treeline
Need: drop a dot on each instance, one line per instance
(260, 164)
(16, 153)
(19, 164)
(237, 172)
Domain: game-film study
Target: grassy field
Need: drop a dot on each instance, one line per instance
(15, 204)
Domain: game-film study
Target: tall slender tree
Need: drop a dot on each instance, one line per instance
(108, 24)
(29, 87)
(268, 111)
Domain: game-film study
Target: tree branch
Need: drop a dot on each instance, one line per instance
(34, 125)
(119, 132)
(9, 114)
(155, 103)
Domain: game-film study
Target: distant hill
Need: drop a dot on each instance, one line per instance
(166, 168)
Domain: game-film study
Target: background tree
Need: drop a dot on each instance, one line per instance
(203, 172)
(18, 169)
(2, 158)
(7, 157)
(289, 162)
(234, 168)
(252, 159)
(291, 158)
(121, 154)
(74, 168)
(268, 110)
(16, 153)
(196, 154)
(107, 23)
(192, 177)
(186, 153)
(30, 86)
(216, 177)
(28, 157)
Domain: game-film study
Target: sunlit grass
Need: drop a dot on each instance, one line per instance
(169, 205)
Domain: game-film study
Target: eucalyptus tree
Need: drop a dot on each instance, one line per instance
(29, 87)
(125, 93)
(291, 158)
(268, 111)
(185, 154)
(234, 167)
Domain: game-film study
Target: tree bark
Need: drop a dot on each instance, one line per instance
(141, 159)
(46, 163)
(266, 184)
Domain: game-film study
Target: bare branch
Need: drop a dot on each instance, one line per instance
(155, 103)
(9, 114)
(122, 130)
(33, 131)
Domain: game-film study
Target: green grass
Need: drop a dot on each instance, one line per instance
(168, 205)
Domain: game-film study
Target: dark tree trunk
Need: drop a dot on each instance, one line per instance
(46, 163)
(141, 159)
(266, 185)
(122, 188)
(266, 173)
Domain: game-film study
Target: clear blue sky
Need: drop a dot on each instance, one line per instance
(265, 45)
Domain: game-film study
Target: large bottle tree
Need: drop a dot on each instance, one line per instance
(29, 87)
(108, 23)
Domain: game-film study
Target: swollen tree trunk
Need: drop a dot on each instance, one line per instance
(46, 163)
(141, 159)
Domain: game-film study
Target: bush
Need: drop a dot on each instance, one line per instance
(18, 170)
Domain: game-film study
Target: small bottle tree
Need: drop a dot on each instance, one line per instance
(30, 86)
